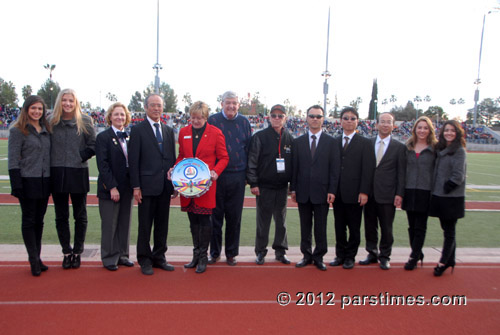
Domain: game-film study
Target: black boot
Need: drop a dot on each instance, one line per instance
(35, 266)
(205, 236)
(195, 233)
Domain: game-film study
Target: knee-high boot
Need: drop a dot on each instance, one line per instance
(205, 236)
(195, 233)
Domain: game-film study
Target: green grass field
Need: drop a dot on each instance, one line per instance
(477, 229)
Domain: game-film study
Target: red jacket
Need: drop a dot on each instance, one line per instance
(212, 148)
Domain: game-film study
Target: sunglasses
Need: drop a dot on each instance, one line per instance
(277, 116)
(315, 116)
(347, 119)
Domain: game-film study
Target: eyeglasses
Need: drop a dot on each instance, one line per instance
(347, 119)
(315, 116)
(277, 116)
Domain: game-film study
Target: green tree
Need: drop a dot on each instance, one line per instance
(291, 109)
(260, 109)
(8, 95)
(487, 111)
(27, 90)
(168, 95)
(49, 91)
(436, 113)
(188, 101)
(372, 111)
(356, 103)
(404, 114)
(135, 104)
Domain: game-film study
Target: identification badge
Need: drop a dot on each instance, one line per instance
(280, 165)
(187, 137)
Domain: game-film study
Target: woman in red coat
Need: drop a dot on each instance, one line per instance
(207, 143)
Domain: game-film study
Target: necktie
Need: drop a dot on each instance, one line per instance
(158, 136)
(346, 138)
(380, 151)
(313, 145)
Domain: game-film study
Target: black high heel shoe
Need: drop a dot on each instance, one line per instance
(440, 269)
(412, 262)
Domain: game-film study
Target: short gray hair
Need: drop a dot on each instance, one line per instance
(146, 101)
(229, 95)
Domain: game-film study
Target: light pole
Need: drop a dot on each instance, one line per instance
(326, 74)
(478, 80)
(157, 67)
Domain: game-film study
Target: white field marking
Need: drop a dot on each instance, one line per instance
(198, 302)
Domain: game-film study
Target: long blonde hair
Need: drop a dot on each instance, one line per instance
(431, 138)
(58, 111)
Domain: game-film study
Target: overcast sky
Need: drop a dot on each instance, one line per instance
(278, 48)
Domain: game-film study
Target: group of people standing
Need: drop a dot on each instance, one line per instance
(49, 154)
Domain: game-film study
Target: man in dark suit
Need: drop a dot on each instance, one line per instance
(386, 193)
(314, 184)
(356, 173)
(151, 155)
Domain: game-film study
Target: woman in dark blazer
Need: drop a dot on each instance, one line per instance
(113, 188)
(29, 172)
(448, 194)
(73, 144)
(207, 143)
(420, 157)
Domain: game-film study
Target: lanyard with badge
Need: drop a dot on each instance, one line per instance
(280, 162)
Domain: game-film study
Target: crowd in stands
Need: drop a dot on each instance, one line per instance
(296, 125)
(7, 116)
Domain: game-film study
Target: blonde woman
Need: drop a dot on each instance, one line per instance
(420, 156)
(73, 143)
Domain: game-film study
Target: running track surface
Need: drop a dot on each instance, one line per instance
(250, 202)
(242, 300)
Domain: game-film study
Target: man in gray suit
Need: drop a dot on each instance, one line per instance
(386, 193)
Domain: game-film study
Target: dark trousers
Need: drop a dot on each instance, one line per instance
(449, 244)
(229, 197)
(115, 228)
(271, 203)
(33, 212)
(61, 207)
(379, 215)
(347, 216)
(417, 227)
(153, 215)
(319, 212)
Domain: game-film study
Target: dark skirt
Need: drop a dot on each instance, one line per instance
(416, 200)
(447, 208)
(69, 180)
